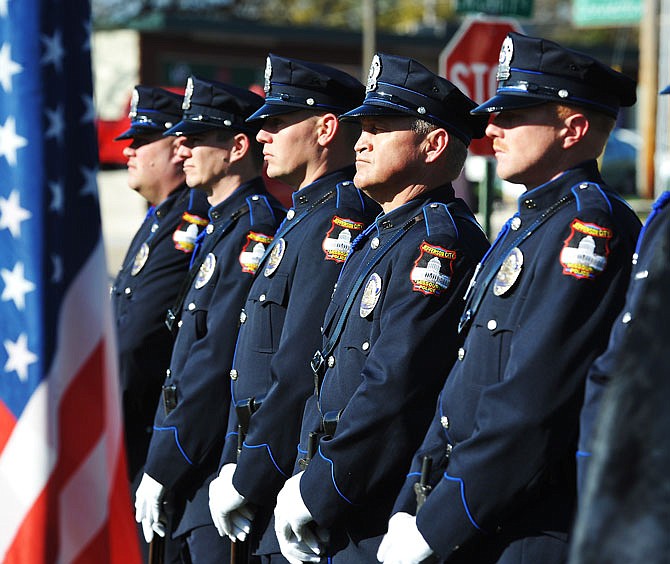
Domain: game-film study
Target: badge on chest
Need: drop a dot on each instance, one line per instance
(509, 272)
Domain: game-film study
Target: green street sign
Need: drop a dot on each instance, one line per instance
(600, 13)
(521, 8)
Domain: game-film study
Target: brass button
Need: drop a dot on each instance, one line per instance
(331, 361)
(290, 214)
(233, 374)
(444, 421)
(461, 353)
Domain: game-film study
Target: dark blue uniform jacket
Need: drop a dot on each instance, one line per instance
(186, 444)
(394, 351)
(281, 330)
(145, 287)
(652, 234)
(504, 433)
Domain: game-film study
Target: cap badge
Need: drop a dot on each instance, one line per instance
(134, 100)
(373, 75)
(186, 104)
(505, 59)
(268, 75)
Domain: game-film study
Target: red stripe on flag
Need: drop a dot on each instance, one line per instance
(81, 424)
(7, 422)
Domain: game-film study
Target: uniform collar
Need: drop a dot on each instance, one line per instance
(312, 192)
(162, 209)
(540, 198)
(236, 200)
(396, 218)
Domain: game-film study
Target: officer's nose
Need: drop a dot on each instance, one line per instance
(263, 136)
(183, 151)
(363, 142)
(128, 151)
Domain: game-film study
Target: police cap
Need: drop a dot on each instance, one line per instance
(292, 85)
(533, 71)
(211, 105)
(401, 86)
(152, 111)
(666, 90)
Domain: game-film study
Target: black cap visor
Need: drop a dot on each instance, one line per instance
(365, 110)
(501, 102)
(270, 109)
(139, 131)
(190, 127)
(666, 90)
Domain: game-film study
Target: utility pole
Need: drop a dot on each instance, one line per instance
(369, 36)
(648, 96)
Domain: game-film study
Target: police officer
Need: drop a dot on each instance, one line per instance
(504, 433)
(390, 331)
(307, 148)
(155, 264)
(622, 468)
(222, 159)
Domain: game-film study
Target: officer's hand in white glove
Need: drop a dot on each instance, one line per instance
(299, 538)
(231, 514)
(149, 507)
(403, 543)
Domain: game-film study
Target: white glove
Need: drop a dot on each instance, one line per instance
(149, 507)
(403, 543)
(231, 514)
(299, 539)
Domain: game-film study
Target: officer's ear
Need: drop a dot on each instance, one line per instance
(326, 128)
(435, 144)
(575, 127)
(239, 146)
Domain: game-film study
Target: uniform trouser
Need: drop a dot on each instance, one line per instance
(203, 545)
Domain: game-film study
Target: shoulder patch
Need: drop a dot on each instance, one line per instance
(252, 251)
(337, 242)
(585, 251)
(432, 270)
(188, 230)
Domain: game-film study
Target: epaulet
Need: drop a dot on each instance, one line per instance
(435, 213)
(590, 195)
(261, 211)
(348, 196)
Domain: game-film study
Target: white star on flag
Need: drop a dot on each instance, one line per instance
(90, 182)
(89, 110)
(16, 286)
(54, 52)
(10, 141)
(19, 357)
(8, 68)
(56, 196)
(56, 124)
(12, 214)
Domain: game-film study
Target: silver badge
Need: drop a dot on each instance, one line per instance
(275, 257)
(371, 293)
(140, 259)
(134, 100)
(268, 75)
(186, 104)
(206, 270)
(509, 272)
(373, 74)
(505, 59)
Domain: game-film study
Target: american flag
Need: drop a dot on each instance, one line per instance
(63, 487)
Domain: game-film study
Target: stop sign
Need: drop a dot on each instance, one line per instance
(470, 61)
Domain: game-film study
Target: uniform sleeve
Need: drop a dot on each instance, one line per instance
(188, 434)
(269, 451)
(525, 418)
(387, 415)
